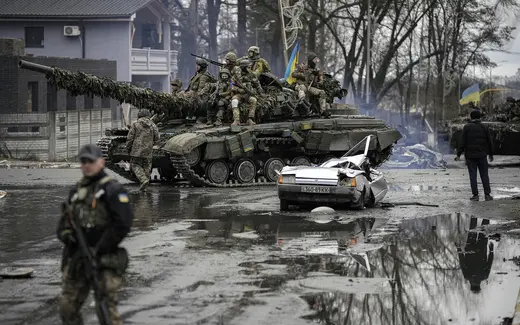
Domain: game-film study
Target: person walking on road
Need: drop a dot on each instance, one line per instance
(96, 217)
(476, 144)
(141, 138)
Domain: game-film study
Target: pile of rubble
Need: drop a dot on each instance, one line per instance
(417, 156)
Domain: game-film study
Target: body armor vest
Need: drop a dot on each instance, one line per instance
(87, 208)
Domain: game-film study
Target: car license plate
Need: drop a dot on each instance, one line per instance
(315, 189)
(315, 234)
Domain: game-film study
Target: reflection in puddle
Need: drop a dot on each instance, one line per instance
(438, 270)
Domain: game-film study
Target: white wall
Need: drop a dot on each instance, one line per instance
(103, 40)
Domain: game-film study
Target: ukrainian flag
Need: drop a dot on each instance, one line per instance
(293, 62)
(472, 94)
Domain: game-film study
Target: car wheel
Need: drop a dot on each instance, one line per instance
(284, 205)
(360, 205)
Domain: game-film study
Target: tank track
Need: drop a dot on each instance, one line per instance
(181, 165)
(104, 144)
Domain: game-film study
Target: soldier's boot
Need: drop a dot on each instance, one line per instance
(251, 120)
(144, 186)
(220, 115)
(236, 116)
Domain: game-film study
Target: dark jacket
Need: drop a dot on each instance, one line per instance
(116, 200)
(476, 141)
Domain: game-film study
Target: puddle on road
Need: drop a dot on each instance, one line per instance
(436, 270)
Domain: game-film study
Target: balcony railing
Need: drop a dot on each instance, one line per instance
(150, 62)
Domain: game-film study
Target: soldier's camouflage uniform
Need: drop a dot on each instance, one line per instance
(308, 82)
(222, 98)
(200, 79)
(140, 140)
(100, 207)
(232, 65)
(259, 65)
(241, 97)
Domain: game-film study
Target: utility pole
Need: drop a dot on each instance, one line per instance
(284, 37)
(369, 37)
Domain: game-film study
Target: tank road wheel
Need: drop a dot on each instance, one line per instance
(270, 167)
(193, 157)
(245, 170)
(326, 157)
(301, 161)
(217, 171)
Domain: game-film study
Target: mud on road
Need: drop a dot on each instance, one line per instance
(213, 256)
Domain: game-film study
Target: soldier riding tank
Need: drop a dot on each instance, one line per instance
(233, 156)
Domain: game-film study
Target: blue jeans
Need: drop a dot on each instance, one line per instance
(482, 165)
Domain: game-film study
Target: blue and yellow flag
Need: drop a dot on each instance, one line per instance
(472, 94)
(293, 63)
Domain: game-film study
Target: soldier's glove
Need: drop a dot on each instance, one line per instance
(316, 72)
(69, 239)
(490, 158)
(457, 158)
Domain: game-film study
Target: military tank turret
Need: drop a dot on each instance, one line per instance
(290, 132)
(504, 126)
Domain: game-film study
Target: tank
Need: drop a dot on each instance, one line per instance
(288, 132)
(505, 133)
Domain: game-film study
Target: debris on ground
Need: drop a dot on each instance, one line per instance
(16, 273)
(417, 156)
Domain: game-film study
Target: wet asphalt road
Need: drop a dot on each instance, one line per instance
(228, 256)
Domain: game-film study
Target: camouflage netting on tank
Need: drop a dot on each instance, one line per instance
(79, 83)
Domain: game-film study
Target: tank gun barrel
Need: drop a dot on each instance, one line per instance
(35, 67)
(80, 83)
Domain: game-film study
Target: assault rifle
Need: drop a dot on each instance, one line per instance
(91, 269)
(239, 85)
(210, 61)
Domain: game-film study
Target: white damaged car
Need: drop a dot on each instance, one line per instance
(349, 181)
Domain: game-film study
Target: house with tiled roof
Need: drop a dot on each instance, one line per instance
(134, 33)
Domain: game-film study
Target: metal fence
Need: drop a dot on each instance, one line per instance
(52, 136)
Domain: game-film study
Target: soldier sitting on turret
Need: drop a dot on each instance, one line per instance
(176, 86)
(231, 65)
(201, 78)
(308, 82)
(244, 90)
(220, 95)
(259, 65)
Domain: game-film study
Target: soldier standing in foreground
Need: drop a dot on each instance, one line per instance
(97, 213)
(308, 80)
(141, 138)
(259, 65)
(244, 92)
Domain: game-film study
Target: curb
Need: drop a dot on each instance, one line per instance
(41, 166)
(516, 316)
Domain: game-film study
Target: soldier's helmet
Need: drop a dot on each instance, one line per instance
(253, 51)
(201, 62)
(224, 72)
(143, 113)
(176, 82)
(312, 57)
(244, 63)
(231, 57)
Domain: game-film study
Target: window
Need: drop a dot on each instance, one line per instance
(33, 36)
(32, 96)
(52, 97)
(71, 102)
